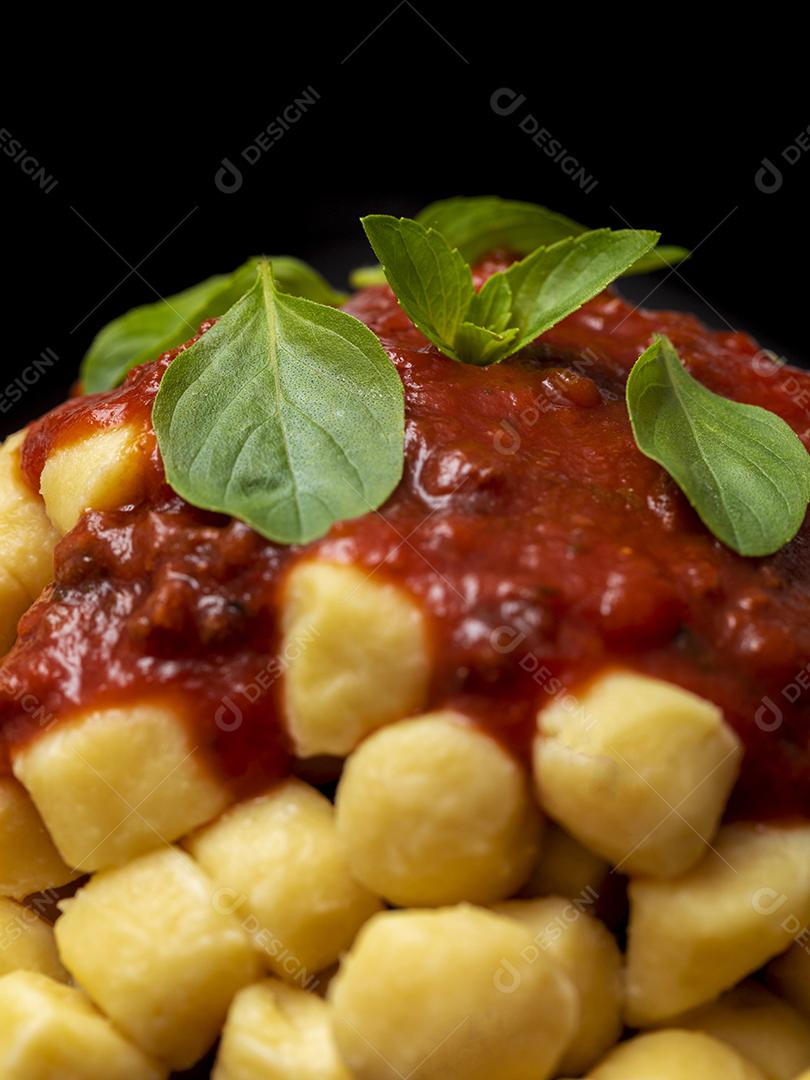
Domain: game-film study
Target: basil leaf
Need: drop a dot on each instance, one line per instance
(743, 469)
(480, 346)
(554, 281)
(145, 332)
(363, 276)
(286, 414)
(658, 259)
(431, 280)
(492, 304)
(434, 285)
(479, 224)
(298, 278)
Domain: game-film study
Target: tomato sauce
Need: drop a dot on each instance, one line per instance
(541, 543)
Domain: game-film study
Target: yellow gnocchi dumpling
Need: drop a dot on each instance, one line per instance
(452, 994)
(694, 936)
(565, 868)
(789, 974)
(638, 770)
(765, 1030)
(27, 540)
(101, 471)
(29, 861)
(588, 954)
(433, 811)
(156, 949)
(280, 869)
(27, 942)
(355, 652)
(278, 1032)
(52, 1032)
(113, 783)
(674, 1055)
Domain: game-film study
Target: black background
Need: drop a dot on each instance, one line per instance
(673, 134)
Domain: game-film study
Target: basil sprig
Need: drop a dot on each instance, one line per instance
(287, 414)
(479, 224)
(433, 283)
(743, 469)
(147, 331)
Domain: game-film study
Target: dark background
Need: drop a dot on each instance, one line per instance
(673, 137)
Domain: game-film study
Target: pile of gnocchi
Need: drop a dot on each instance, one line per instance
(443, 918)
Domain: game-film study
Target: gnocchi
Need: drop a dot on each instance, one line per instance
(450, 994)
(27, 540)
(356, 656)
(695, 936)
(101, 471)
(153, 946)
(789, 974)
(674, 1055)
(432, 811)
(588, 954)
(278, 1032)
(565, 868)
(29, 861)
(27, 942)
(52, 1032)
(279, 860)
(759, 1026)
(113, 783)
(639, 771)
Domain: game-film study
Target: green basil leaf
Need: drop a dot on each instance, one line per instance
(145, 332)
(658, 259)
(743, 469)
(434, 285)
(480, 224)
(363, 276)
(431, 280)
(286, 414)
(554, 281)
(300, 279)
(491, 306)
(480, 346)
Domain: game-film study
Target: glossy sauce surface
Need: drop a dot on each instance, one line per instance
(541, 543)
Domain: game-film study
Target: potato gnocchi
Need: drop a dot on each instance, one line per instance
(472, 787)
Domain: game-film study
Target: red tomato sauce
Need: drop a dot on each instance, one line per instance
(541, 543)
